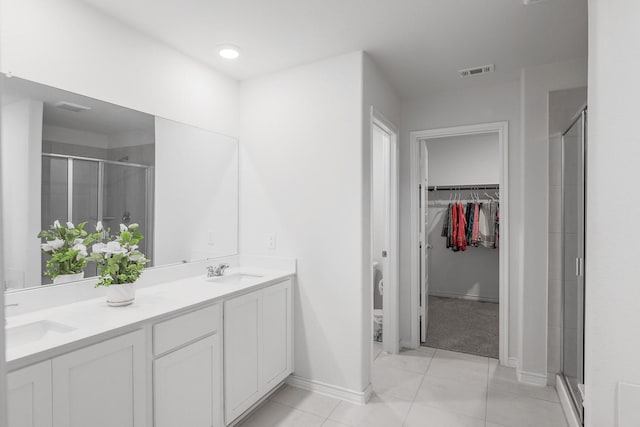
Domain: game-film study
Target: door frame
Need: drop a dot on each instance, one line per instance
(391, 297)
(416, 137)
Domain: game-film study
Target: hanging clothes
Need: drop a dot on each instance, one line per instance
(487, 225)
(476, 224)
(461, 233)
(497, 226)
(454, 228)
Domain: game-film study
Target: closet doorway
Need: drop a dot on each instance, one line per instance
(459, 239)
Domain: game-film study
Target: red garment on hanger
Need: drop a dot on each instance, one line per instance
(460, 232)
(454, 225)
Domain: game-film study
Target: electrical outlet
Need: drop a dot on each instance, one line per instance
(210, 240)
(271, 241)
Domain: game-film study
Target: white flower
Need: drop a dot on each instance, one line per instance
(56, 224)
(46, 247)
(136, 257)
(83, 251)
(78, 241)
(99, 226)
(133, 248)
(70, 225)
(56, 244)
(113, 248)
(123, 228)
(134, 225)
(98, 247)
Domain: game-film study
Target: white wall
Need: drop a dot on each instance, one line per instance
(475, 105)
(536, 83)
(301, 179)
(196, 197)
(612, 291)
(69, 45)
(464, 160)
(20, 149)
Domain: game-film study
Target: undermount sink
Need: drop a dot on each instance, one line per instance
(35, 331)
(235, 279)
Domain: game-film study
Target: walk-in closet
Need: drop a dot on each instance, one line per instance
(461, 222)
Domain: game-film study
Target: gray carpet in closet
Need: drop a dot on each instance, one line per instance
(464, 326)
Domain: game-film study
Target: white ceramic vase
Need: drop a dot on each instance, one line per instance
(120, 295)
(67, 278)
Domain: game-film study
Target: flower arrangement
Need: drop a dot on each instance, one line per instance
(67, 247)
(118, 260)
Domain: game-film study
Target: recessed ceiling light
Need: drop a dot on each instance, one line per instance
(228, 52)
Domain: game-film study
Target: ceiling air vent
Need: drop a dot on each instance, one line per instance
(476, 71)
(528, 2)
(70, 106)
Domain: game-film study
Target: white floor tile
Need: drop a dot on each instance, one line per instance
(306, 401)
(425, 416)
(274, 414)
(458, 366)
(456, 396)
(409, 360)
(377, 349)
(394, 381)
(504, 379)
(331, 423)
(426, 349)
(381, 411)
(513, 410)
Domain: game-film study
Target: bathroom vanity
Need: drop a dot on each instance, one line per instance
(189, 352)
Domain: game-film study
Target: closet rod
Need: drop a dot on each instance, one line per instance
(464, 187)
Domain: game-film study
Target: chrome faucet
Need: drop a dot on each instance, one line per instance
(216, 270)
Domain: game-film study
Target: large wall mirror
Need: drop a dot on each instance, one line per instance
(69, 158)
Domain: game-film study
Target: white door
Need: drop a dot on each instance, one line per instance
(241, 358)
(103, 385)
(275, 335)
(187, 386)
(424, 241)
(29, 395)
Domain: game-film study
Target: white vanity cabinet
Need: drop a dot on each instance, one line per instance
(257, 345)
(187, 381)
(29, 396)
(102, 385)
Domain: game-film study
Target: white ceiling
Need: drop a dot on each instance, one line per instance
(418, 44)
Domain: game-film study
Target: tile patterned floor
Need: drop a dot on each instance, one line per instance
(422, 388)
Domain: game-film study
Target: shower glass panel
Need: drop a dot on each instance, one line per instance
(85, 199)
(54, 198)
(573, 242)
(126, 200)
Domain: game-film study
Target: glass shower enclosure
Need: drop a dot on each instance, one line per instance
(81, 189)
(573, 249)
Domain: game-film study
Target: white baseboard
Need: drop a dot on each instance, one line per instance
(511, 362)
(467, 297)
(532, 378)
(565, 402)
(408, 344)
(358, 397)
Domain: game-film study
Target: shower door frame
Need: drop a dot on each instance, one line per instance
(580, 117)
(149, 190)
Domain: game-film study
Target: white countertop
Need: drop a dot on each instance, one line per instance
(92, 318)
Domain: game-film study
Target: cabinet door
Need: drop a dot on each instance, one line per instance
(275, 335)
(102, 385)
(29, 395)
(241, 317)
(187, 386)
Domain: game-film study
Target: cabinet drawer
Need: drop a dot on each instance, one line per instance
(183, 329)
